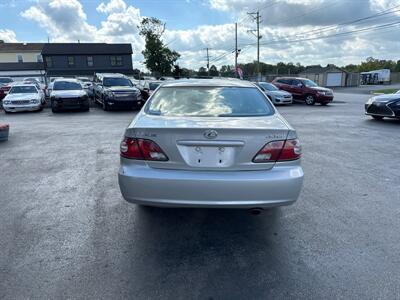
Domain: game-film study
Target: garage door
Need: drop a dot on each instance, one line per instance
(334, 79)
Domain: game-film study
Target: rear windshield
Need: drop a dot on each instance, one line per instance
(23, 90)
(66, 85)
(209, 102)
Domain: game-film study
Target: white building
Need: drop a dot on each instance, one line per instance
(19, 60)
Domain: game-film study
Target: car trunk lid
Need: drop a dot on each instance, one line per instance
(215, 143)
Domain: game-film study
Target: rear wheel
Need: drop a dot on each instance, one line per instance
(310, 100)
(379, 118)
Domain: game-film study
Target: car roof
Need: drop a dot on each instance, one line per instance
(298, 78)
(24, 84)
(208, 83)
(66, 79)
(110, 75)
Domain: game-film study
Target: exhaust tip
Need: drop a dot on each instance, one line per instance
(256, 211)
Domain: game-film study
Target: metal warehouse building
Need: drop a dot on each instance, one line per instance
(330, 76)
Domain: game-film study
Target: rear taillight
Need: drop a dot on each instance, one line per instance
(141, 149)
(279, 151)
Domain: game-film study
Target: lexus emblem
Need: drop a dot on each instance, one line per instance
(210, 134)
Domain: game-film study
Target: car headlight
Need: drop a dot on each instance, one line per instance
(6, 102)
(370, 100)
(321, 93)
(34, 101)
(110, 94)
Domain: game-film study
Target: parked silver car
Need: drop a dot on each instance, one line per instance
(276, 95)
(210, 143)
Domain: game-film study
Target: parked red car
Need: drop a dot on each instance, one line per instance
(304, 89)
(5, 86)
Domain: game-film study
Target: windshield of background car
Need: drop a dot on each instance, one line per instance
(153, 86)
(5, 80)
(209, 102)
(118, 81)
(309, 83)
(66, 85)
(23, 90)
(269, 86)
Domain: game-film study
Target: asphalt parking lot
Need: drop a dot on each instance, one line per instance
(66, 232)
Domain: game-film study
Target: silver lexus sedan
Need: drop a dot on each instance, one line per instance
(210, 143)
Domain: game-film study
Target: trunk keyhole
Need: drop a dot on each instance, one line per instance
(220, 161)
(198, 161)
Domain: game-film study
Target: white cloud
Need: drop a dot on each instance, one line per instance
(112, 7)
(64, 20)
(8, 36)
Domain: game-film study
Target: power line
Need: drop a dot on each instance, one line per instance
(366, 29)
(329, 28)
(333, 27)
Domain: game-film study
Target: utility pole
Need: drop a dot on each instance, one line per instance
(256, 17)
(208, 62)
(236, 49)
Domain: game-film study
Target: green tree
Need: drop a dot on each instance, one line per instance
(214, 71)
(202, 71)
(397, 68)
(158, 58)
(227, 71)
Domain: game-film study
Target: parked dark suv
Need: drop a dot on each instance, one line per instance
(304, 89)
(114, 90)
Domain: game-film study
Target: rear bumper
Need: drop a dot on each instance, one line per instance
(231, 189)
(17, 108)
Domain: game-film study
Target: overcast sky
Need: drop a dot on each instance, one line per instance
(291, 29)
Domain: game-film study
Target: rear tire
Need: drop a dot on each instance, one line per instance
(379, 118)
(310, 100)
